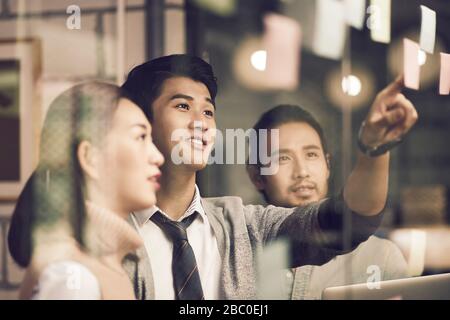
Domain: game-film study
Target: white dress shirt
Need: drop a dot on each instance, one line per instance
(159, 249)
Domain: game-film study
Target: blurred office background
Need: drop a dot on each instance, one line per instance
(116, 35)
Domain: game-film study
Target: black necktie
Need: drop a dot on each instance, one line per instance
(186, 279)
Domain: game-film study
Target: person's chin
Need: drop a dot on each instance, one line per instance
(198, 163)
(197, 166)
(144, 204)
(299, 202)
(148, 199)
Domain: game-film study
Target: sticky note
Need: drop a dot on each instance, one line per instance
(282, 41)
(427, 29)
(380, 20)
(330, 29)
(444, 83)
(355, 11)
(411, 67)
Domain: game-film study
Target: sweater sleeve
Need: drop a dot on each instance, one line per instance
(316, 231)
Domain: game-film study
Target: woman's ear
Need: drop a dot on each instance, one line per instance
(88, 159)
(255, 177)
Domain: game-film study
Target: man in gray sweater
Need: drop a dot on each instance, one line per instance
(302, 178)
(220, 237)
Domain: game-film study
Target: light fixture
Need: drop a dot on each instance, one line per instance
(258, 60)
(351, 85)
(352, 91)
(244, 60)
(422, 57)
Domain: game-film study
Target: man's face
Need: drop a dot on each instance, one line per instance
(184, 122)
(303, 172)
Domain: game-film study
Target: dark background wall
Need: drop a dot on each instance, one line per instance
(422, 159)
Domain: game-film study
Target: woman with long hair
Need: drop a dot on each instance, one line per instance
(97, 163)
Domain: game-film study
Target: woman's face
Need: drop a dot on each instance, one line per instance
(128, 161)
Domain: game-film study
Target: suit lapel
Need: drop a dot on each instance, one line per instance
(217, 222)
(139, 269)
(215, 218)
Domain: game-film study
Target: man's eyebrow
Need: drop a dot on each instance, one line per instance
(181, 96)
(311, 146)
(210, 101)
(307, 147)
(187, 97)
(284, 150)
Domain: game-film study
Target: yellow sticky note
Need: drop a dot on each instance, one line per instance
(411, 67)
(444, 83)
(427, 29)
(330, 29)
(282, 41)
(380, 20)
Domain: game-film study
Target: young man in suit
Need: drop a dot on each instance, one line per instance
(198, 248)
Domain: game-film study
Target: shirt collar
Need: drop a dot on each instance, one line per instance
(144, 215)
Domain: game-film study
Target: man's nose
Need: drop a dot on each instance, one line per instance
(198, 124)
(301, 170)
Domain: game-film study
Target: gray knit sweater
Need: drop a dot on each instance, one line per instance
(243, 230)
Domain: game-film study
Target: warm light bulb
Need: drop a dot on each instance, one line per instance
(258, 60)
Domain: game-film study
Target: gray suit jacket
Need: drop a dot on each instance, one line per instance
(243, 230)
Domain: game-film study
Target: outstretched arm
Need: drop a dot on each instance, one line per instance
(390, 117)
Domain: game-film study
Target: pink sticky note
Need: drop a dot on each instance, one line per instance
(411, 67)
(282, 41)
(444, 86)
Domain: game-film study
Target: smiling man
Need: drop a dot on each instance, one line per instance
(198, 248)
(301, 155)
(302, 178)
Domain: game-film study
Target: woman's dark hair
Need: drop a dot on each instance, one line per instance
(144, 82)
(55, 190)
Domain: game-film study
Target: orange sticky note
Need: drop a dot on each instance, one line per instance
(444, 86)
(282, 41)
(411, 67)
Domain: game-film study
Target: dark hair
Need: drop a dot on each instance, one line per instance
(283, 114)
(286, 113)
(144, 82)
(55, 190)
